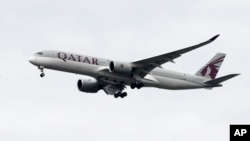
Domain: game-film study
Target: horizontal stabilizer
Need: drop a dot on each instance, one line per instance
(221, 79)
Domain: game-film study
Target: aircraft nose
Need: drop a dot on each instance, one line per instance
(32, 59)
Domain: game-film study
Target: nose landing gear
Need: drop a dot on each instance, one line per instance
(41, 69)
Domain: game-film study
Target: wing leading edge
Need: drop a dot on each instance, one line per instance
(143, 67)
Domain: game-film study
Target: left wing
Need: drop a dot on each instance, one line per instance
(143, 67)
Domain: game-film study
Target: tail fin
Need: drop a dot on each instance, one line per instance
(211, 69)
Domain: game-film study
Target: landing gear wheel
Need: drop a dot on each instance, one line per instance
(133, 85)
(42, 74)
(136, 85)
(116, 95)
(123, 95)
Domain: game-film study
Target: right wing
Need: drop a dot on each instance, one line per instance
(143, 67)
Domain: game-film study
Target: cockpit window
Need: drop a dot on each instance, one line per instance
(39, 53)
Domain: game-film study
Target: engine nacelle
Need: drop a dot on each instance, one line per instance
(88, 85)
(120, 67)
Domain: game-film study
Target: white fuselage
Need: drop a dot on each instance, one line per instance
(97, 68)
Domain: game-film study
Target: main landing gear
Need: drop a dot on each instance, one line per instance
(136, 85)
(41, 69)
(120, 94)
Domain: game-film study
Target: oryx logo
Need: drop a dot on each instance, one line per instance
(212, 68)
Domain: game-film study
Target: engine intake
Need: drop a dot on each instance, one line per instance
(120, 67)
(88, 85)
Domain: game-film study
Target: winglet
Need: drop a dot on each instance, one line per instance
(215, 37)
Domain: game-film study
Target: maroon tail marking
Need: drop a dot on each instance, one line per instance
(213, 68)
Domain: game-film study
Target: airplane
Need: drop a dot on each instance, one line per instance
(113, 76)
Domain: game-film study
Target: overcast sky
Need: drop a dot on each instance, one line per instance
(52, 108)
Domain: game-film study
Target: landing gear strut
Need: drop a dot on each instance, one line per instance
(41, 69)
(120, 94)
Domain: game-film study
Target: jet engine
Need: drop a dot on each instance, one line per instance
(120, 67)
(88, 85)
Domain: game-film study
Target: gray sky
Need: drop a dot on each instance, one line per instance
(52, 108)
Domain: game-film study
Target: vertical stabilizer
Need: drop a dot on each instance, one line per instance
(211, 69)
